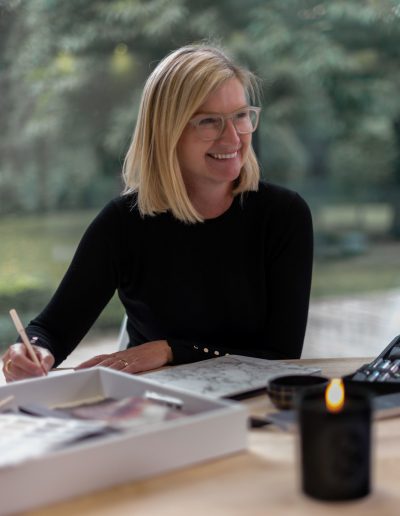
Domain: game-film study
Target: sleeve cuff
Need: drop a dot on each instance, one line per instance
(184, 352)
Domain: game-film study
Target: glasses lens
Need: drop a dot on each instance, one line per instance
(209, 127)
(246, 121)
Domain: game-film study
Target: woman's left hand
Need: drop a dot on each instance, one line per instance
(137, 359)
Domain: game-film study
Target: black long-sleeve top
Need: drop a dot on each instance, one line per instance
(238, 283)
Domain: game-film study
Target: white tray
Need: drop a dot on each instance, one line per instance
(216, 428)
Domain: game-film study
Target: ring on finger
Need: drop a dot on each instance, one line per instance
(7, 367)
(125, 363)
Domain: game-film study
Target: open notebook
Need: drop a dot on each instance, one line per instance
(226, 376)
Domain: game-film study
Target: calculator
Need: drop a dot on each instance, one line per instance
(382, 375)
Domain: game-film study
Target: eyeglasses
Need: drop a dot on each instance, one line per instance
(210, 127)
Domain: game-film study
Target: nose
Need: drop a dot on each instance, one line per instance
(229, 133)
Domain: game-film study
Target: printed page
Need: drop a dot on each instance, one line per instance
(226, 376)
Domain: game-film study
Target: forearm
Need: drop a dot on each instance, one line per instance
(86, 288)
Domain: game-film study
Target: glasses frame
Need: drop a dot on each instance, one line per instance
(195, 121)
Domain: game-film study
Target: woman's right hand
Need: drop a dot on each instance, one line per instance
(17, 364)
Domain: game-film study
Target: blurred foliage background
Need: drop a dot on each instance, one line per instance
(71, 75)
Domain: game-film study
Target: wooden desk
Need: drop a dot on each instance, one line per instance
(263, 480)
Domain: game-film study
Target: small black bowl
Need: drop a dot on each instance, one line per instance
(283, 390)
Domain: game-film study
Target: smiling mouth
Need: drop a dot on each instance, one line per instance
(224, 156)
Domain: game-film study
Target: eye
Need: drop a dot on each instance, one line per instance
(242, 114)
(208, 121)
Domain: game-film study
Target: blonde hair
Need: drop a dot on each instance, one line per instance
(176, 88)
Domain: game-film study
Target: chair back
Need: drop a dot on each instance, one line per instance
(123, 337)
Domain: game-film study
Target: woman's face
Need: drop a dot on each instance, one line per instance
(218, 162)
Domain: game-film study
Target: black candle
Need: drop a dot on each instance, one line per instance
(335, 444)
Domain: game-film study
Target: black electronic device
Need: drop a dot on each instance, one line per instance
(382, 375)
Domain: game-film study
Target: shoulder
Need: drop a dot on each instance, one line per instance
(124, 204)
(277, 200)
(119, 208)
(286, 218)
(114, 217)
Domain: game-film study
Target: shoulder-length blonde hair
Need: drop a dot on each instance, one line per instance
(174, 91)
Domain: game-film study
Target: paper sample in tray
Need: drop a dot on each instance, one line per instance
(25, 437)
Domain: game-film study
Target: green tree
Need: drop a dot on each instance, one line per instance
(72, 74)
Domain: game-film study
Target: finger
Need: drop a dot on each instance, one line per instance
(22, 363)
(13, 372)
(136, 367)
(5, 357)
(113, 363)
(92, 362)
(47, 362)
(46, 358)
(6, 371)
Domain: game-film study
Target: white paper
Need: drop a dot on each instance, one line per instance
(26, 437)
(226, 376)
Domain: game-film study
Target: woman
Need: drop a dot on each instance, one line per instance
(206, 259)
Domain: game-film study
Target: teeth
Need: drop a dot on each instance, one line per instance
(224, 156)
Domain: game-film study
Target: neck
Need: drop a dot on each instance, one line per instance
(211, 203)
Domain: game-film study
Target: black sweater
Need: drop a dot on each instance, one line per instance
(238, 283)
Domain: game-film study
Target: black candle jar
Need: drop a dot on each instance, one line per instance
(335, 447)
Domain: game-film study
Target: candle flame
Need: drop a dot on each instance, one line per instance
(334, 395)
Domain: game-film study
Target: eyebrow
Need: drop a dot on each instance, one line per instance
(219, 112)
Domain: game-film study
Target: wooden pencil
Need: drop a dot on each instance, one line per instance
(21, 330)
